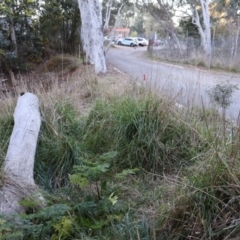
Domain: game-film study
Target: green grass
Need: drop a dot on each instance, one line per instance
(209, 206)
(186, 186)
(6, 127)
(58, 147)
(145, 131)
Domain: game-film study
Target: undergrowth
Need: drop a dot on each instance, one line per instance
(134, 166)
(145, 131)
(61, 63)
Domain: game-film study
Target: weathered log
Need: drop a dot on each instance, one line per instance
(17, 177)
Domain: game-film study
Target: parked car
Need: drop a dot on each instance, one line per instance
(129, 41)
(142, 42)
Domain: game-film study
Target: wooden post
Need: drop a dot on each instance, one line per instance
(17, 179)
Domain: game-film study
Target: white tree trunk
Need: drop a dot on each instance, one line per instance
(205, 30)
(114, 27)
(236, 43)
(18, 179)
(92, 34)
(108, 15)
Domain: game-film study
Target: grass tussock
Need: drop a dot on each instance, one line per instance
(209, 206)
(117, 161)
(146, 131)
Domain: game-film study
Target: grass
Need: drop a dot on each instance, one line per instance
(61, 62)
(221, 59)
(145, 132)
(186, 180)
(209, 206)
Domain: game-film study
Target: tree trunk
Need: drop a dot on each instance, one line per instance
(13, 38)
(92, 34)
(150, 47)
(18, 181)
(113, 29)
(108, 15)
(205, 30)
(236, 43)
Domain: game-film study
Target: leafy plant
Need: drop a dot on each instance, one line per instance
(63, 228)
(88, 172)
(222, 95)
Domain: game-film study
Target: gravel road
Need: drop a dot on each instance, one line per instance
(187, 84)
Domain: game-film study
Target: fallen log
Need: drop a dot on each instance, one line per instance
(17, 176)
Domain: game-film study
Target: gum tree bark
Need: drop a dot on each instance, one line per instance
(17, 178)
(92, 33)
(115, 24)
(204, 29)
(108, 14)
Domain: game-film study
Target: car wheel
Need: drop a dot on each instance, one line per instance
(119, 43)
(131, 45)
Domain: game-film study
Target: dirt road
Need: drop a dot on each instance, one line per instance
(188, 84)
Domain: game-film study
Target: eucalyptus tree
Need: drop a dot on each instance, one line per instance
(111, 12)
(16, 21)
(199, 12)
(188, 27)
(139, 24)
(204, 27)
(92, 33)
(107, 9)
(111, 15)
(226, 9)
(20, 41)
(227, 13)
(128, 14)
(59, 25)
(163, 12)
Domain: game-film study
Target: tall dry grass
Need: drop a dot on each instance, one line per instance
(187, 186)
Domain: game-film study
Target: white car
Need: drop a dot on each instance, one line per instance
(128, 41)
(142, 41)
